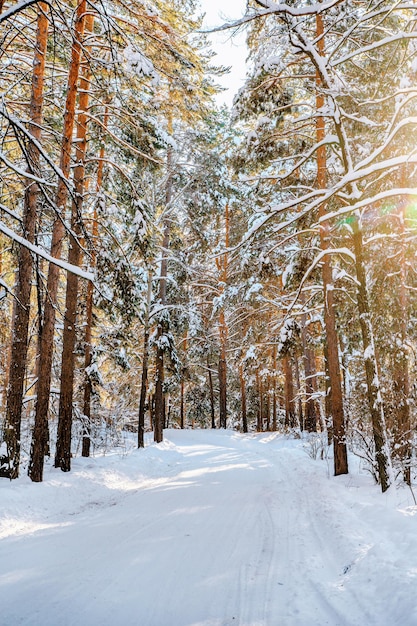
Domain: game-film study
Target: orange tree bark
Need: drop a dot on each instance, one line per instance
(63, 444)
(58, 234)
(19, 348)
(211, 391)
(401, 366)
(289, 393)
(336, 398)
(274, 388)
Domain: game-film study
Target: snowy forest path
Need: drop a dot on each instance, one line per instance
(208, 529)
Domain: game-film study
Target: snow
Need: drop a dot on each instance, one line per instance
(16, 8)
(137, 62)
(41, 252)
(250, 353)
(209, 528)
(369, 353)
(253, 289)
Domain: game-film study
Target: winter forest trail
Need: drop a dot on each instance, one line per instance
(208, 528)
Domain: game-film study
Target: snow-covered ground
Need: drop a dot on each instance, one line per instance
(208, 528)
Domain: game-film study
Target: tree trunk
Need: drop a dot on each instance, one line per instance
(145, 362)
(160, 353)
(335, 396)
(223, 330)
(274, 389)
(165, 412)
(163, 323)
(243, 399)
(222, 378)
(260, 402)
(289, 393)
(211, 389)
(268, 406)
(152, 411)
(327, 398)
(89, 310)
(86, 444)
(63, 444)
(310, 422)
(19, 347)
(401, 373)
(182, 391)
(300, 402)
(58, 234)
(375, 401)
(338, 420)
(182, 405)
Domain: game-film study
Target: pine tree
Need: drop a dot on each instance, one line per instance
(18, 357)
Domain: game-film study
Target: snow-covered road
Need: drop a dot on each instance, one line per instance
(208, 528)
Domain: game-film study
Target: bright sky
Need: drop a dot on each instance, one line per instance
(231, 51)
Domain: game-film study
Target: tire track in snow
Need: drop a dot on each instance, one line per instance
(315, 552)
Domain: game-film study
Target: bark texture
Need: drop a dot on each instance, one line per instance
(58, 234)
(336, 398)
(88, 337)
(163, 324)
(223, 330)
(145, 363)
(375, 401)
(63, 444)
(19, 347)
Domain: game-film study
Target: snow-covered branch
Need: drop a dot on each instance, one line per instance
(41, 252)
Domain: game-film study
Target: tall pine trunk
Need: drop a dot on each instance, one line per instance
(182, 390)
(375, 402)
(163, 322)
(223, 372)
(274, 389)
(298, 395)
(211, 391)
(88, 337)
(401, 371)
(160, 351)
(63, 444)
(289, 392)
(58, 234)
(145, 364)
(243, 399)
(310, 420)
(336, 398)
(268, 405)
(19, 347)
(223, 330)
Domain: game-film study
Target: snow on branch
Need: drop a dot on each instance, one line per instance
(20, 6)
(319, 257)
(399, 126)
(383, 195)
(314, 9)
(373, 46)
(41, 252)
(21, 172)
(18, 125)
(272, 8)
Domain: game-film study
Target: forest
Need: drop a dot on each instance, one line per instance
(168, 263)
